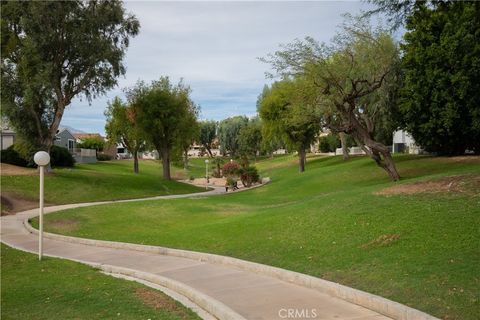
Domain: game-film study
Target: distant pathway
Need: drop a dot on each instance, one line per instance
(223, 290)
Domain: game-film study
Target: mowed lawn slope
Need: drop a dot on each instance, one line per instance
(338, 221)
(110, 180)
(60, 289)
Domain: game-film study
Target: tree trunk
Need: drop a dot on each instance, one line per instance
(363, 136)
(390, 166)
(343, 141)
(135, 161)
(209, 151)
(378, 152)
(165, 153)
(302, 155)
(185, 159)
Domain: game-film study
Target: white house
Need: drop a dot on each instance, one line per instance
(403, 142)
(7, 135)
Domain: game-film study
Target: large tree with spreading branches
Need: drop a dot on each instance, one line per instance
(54, 51)
(350, 75)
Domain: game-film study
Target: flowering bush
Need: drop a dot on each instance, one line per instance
(230, 168)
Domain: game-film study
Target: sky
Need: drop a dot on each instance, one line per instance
(214, 47)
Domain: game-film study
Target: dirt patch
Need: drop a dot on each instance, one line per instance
(160, 301)
(466, 184)
(382, 241)
(11, 170)
(214, 182)
(13, 203)
(462, 159)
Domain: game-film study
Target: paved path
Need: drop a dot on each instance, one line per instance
(247, 294)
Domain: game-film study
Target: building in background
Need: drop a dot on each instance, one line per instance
(403, 142)
(7, 134)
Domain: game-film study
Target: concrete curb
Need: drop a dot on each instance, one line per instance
(373, 302)
(172, 294)
(210, 305)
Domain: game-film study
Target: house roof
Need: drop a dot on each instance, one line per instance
(64, 130)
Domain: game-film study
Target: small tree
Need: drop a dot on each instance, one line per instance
(218, 161)
(122, 126)
(163, 110)
(289, 109)
(93, 142)
(208, 133)
(250, 138)
(228, 132)
(190, 128)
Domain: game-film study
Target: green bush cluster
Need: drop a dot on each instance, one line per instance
(59, 157)
(249, 175)
(11, 156)
(104, 157)
(329, 143)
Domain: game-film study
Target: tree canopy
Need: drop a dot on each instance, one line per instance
(53, 51)
(228, 132)
(350, 77)
(122, 126)
(250, 138)
(289, 108)
(208, 134)
(164, 113)
(440, 98)
(93, 142)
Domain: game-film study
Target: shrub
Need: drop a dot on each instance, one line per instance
(231, 182)
(248, 176)
(329, 143)
(230, 168)
(94, 142)
(61, 157)
(11, 156)
(104, 157)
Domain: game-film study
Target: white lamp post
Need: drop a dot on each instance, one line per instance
(206, 174)
(41, 158)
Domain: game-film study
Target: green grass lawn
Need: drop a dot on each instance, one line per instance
(60, 289)
(419, 249)
(109, 180)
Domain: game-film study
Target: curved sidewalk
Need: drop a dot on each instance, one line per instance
(223, 290)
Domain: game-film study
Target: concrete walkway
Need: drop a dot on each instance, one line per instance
(233, 293)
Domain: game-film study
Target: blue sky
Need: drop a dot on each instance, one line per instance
(214, 47)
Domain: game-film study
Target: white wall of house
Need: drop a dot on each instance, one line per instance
(7, 140)
(7, 134)
(404, 142)
(401, 136)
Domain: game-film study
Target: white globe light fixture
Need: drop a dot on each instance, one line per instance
(42, 159)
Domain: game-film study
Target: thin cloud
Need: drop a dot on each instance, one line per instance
(214, 47)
